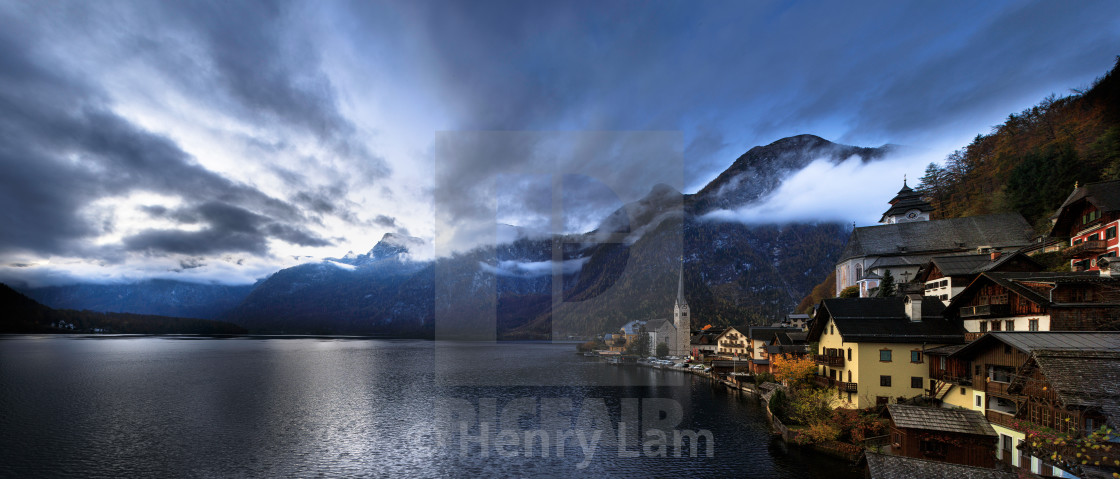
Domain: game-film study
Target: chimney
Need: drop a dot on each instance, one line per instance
(913, 306)
(995, 255)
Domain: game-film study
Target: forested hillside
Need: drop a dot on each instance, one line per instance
(1031, 162)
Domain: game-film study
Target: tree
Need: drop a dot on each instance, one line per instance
(795, 371)
(662, 350)
(640, 345)
(850, 292)
(886, 286)
(934, 185)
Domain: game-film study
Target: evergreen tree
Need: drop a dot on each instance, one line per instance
(886, 286)
(662, 350)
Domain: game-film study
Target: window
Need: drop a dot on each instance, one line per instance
(1091, 216)
(1094, 237)
(916, 382)
(1110, 232)
(941, 362)
(915, 356)
(983, 326)
(995, 325)
(831, 330)
(859, 271)
(1077, 241)
(962, 390)
(885, 381)
(849, 358)
(1009, 325)
(977, 400)
(934, 448)
(885, 355)
(1032, 325)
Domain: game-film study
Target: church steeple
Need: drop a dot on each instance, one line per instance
(680, 287)
(907, 205)
(682, 323)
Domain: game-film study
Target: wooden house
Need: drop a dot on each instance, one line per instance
(1040, 301)
(1089, 217)
(734, 342)
(1068, 382)
(958, 436)
(946, 276)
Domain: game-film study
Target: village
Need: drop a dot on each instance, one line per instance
(951, 347)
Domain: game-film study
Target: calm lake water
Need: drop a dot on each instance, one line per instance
(267, 407)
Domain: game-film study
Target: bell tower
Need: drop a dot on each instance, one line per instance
(681, 320)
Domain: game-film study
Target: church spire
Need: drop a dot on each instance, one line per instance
(680, 286)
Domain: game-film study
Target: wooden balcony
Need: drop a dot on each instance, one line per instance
(1003, 419)
(834, 361)
(998, 388)
(824, 381)
(1086, 248)
(848, 387)
(985, 310)
(970, 337)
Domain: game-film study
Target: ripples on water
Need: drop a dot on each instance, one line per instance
(163, 407)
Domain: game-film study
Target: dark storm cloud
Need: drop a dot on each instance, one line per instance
(258, 61)
(64, 149)
(227, 228)
(867, 73)
(386, 221)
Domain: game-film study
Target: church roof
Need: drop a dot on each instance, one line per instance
(1004, 230)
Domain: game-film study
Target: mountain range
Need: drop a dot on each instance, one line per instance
(627, 268)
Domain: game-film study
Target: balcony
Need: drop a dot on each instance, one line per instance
(1086, 248)
(848, 387)
(985, 310)
(834, 361)
(824, 381)
(1003, 419)
(970, 337)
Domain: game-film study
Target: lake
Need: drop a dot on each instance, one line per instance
(86, 406)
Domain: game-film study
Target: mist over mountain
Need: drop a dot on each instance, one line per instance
(626, 268)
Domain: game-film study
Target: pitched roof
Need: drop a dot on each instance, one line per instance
(884, 320)
(964, 421)
(655, 324)
(1105, 195)
(767, 333)
(1015, 282)
(882, 466)
(1051, 341)
(1083, 378)
(938, 236)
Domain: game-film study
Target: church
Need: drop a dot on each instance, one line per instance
(676, 333)
(906, 238)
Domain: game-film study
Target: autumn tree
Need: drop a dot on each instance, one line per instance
(793, 370)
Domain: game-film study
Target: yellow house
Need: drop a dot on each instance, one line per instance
(871, 349)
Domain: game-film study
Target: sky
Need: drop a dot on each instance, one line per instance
(221, 141)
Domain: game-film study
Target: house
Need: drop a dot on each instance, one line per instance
(1066, 382)
(794, 320)
(959, 436)
(792, 344)
(946, 276)
(734, 342)
(1039, 301)
(871, 349)
(758, 339)
(704, 342)
(883, 466)
(1089, 217)
(907, 238)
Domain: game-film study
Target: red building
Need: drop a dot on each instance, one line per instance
(1090, 218)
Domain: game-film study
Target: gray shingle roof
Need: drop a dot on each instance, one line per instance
(961, 265)
(1082, 378)
(962, 421)
(1054, 341)
(939, 236)
(882, 466)
(884, 320)
(765, 334)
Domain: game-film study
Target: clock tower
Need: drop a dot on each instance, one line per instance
(907, 206)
